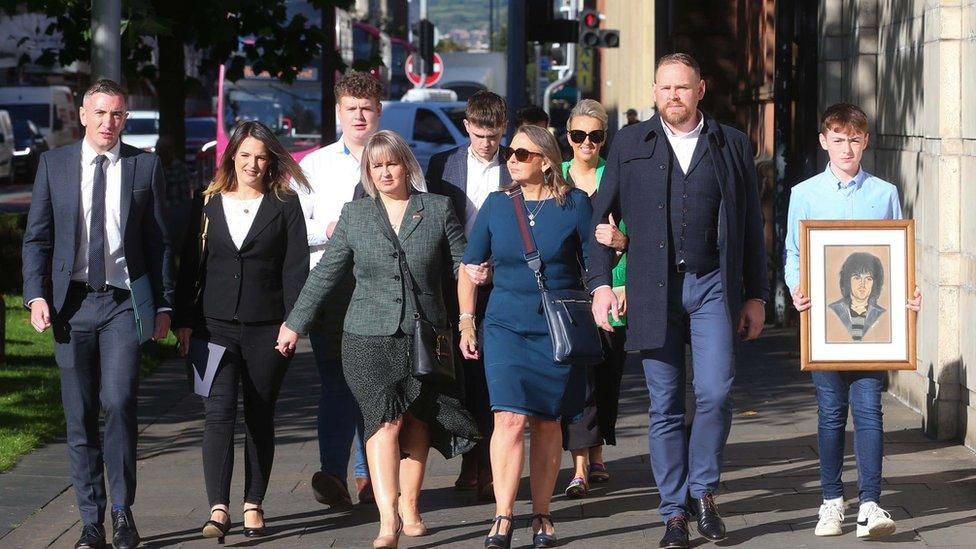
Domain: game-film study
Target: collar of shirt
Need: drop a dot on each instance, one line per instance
(834, 183)
(484, 164)
(693, 134)
(88, 153)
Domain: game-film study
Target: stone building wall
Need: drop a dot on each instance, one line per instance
(911, 64)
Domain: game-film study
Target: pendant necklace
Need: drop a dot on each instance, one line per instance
(533, 214)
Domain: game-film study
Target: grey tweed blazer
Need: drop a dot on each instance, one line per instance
(433, 240)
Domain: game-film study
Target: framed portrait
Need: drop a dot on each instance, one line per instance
(858, 275)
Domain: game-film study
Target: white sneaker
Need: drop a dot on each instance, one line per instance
(831, 518)
(874, 522)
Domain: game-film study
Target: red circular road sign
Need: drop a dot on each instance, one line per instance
(432, 78)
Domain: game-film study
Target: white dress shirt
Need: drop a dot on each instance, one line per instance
(333, 173)
(240, 216)
(483, 179)
(684, 145)
(116, 270)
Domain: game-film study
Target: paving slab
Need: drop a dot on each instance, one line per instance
(770, 483)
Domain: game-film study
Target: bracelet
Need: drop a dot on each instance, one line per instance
(465, 315)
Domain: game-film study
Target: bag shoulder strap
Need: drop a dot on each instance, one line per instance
(387, 230)
(530, 252)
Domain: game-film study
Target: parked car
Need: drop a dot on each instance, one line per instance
(429, 120)
(29, 143)
(200, 130)
(6, 148)
(141, 130)
(50, 108)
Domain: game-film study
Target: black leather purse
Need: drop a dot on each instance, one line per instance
(569, 317)
(432, 359)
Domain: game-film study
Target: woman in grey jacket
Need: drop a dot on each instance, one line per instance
(402, 416)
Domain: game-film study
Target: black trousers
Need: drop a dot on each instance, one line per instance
(252, 363)
(97, 352)
(598, 423)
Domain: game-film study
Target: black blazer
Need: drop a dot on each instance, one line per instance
(634, 187)
(447, 175)
(50, 238)
(258, 283)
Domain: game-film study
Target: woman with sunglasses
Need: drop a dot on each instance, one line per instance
(587, 132)
(525, 386)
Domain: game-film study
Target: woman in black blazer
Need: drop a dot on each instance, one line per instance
(255, 261)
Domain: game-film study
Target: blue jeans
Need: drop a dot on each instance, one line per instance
(860, 391)
(690, 465)
(339, 417)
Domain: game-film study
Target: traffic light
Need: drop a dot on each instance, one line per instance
(425, 44)
(590, 34)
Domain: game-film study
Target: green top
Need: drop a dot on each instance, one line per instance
(619, 272)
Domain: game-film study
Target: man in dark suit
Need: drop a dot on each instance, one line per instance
(95, 228)
(696, 273)
(467, 175)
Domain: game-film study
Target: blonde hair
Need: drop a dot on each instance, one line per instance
(554, 180)
(383, 143)
(591, 108)
(282, 168)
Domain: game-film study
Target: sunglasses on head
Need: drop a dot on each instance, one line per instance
(522, 155)
(596, 136)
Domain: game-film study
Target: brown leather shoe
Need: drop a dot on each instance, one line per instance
(364, 489)
(329, 489)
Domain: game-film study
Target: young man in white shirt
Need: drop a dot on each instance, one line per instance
(333, 173)
(467, 175)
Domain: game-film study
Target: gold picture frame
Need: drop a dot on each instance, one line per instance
(858, 275)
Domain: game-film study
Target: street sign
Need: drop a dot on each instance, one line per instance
(432, 78)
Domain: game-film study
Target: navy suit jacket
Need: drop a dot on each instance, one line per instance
(447, 174)
(50, 238)
(635, 187)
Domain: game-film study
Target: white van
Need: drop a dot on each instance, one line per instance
(141, 130)
(51, 108)
(429, 120)
(6, 148)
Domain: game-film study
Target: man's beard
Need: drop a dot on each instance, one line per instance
(678, 118)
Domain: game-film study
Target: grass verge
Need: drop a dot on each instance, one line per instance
(30, 387)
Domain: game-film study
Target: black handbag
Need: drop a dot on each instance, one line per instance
(432, 359)
(569, 317)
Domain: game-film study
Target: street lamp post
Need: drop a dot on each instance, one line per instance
(106, 54)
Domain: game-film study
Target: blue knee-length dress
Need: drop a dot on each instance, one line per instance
(521, 374)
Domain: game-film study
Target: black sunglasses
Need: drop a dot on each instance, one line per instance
(596, 136)
(522, 155)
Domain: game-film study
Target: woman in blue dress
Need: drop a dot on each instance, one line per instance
(525, 386)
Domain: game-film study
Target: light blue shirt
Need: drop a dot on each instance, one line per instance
(824, 196)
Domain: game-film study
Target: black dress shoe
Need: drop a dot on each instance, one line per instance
(710, 523)
(331, 490)
(124, 533)
(92, 537)
(676, 535)
(255, 531)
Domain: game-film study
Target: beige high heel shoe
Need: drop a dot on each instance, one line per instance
(415, 530)
(389, 541)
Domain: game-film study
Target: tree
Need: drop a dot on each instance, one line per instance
(447, 45)
(255, 33)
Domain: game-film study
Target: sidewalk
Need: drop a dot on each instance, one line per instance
(770, 486)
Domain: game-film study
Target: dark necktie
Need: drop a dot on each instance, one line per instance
(96, 232)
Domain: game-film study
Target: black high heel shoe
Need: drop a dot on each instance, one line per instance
(214, 529)
(500, 541)
(542, 539)
(257, 531)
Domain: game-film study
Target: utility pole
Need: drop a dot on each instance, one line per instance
(425, 70)
(106, 54)
(327, 75)
(516, 59)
